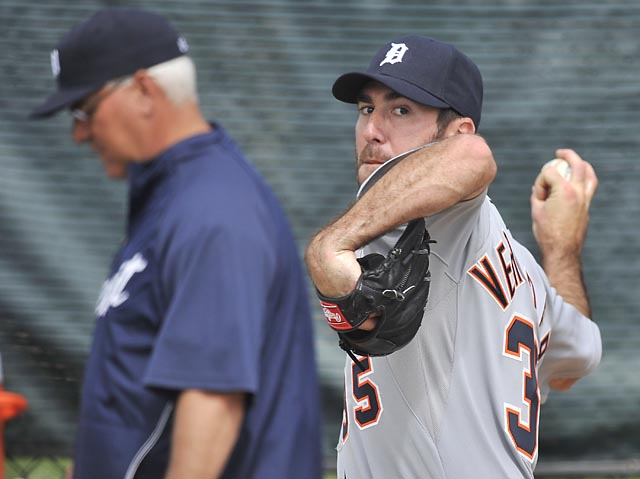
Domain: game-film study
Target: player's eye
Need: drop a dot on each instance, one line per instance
(365, 109)
(400, 110)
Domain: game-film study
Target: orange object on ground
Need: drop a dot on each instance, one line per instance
(11, 404)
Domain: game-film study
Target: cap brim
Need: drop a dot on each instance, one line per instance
(348, 86)
(60, 100)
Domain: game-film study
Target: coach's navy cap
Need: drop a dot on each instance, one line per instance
(113, 43)
(423, 69)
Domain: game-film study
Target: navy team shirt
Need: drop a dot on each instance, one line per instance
(207, 292)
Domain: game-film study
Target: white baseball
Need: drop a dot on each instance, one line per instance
(562, 166)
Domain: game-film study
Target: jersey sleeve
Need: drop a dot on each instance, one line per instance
(216, 286)
(574, 348)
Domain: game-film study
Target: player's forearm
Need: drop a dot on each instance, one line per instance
(423, 184)
(565, 275)
(206, 428)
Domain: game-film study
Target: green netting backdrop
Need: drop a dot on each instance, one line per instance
(556, 74)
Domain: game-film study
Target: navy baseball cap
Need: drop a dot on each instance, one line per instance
(423, 69)
(112, 43)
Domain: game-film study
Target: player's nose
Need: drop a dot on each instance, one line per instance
(373, 131)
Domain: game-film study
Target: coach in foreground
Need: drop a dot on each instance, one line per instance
(202, 363)
(458, 396)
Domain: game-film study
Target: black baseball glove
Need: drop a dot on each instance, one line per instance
(395, 288)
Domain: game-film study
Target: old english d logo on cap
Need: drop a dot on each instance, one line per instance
(55, 63)
(395, 53)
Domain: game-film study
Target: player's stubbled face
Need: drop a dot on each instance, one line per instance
(388, 125)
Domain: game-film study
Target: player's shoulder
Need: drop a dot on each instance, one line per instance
(234, 204)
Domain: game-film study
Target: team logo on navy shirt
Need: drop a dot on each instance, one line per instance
(113, 294)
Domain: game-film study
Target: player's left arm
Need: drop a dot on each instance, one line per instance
(560, 215)
(206, 428)
(424, 183)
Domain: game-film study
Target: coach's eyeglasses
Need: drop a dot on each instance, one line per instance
(84, 112)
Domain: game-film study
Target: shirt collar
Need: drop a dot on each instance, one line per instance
(143, 174)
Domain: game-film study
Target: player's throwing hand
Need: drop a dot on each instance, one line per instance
(560, 208)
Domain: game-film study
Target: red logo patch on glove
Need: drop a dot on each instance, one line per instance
(335, 317)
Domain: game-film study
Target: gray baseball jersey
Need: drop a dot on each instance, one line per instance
(463, 398)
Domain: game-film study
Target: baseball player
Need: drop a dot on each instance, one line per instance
(462, 399)
(202, 363)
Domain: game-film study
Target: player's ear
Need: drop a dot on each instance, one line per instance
(460, 125)
(466, 125)
(146, 90)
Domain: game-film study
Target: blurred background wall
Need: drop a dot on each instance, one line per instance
(557, 74)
